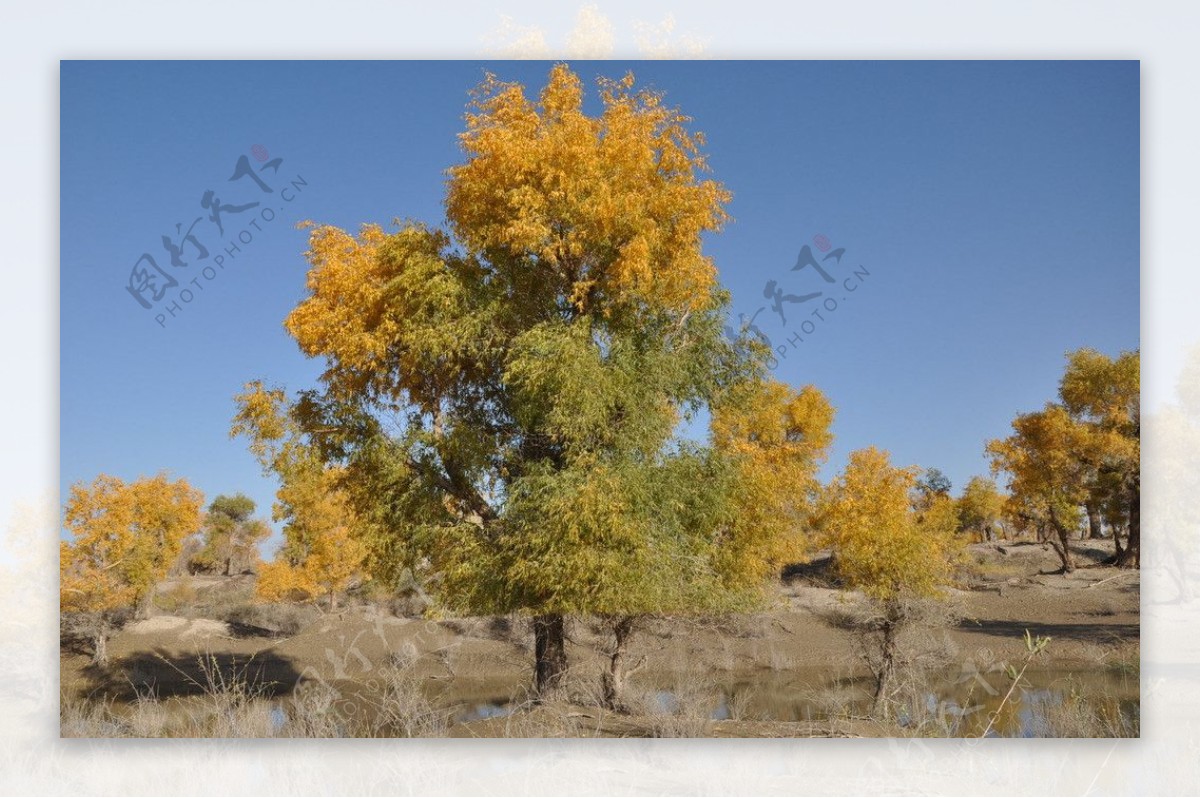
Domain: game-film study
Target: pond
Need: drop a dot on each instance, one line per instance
(960, 703)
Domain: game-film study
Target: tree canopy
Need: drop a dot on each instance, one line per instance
(124, 537)
(501, 399)
(1081, 449)
(229, 536)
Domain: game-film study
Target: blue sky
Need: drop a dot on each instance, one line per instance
(995, 206)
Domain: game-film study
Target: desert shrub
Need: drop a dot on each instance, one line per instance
(79, 717)
(179, 596)
(312, 712)
(402, 709)
(283, 619)
(1077, 715)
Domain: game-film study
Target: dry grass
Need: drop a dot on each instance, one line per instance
(686, 709)
(178, 597)
(276, 619)
(231, 703)
(1080, 715)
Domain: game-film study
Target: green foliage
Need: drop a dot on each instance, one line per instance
(229, 536)
(933, 482)
(500, 400)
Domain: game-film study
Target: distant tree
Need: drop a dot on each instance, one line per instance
(229, 536)
(124, 538)
(1050, 469)
(981, 508)
(1104, 395)
(932, 484)
(1082, 452)
(891, 550)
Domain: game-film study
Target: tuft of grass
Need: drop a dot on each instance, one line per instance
(179, 597)
(282, 619)
(231, 703)
(1081, 715)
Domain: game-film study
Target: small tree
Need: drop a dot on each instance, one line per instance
(980, 508)
(776, 438)
(932, 485)
(230, 536)
(125, 536)
(892, 551)
(1050, 468)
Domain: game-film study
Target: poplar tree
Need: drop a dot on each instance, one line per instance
(504, 396)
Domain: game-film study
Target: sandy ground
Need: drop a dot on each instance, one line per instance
(1092, 616)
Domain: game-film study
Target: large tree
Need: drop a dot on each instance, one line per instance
(124, 538)
(505, 395)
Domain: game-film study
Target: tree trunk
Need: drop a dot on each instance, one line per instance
(1062, 546)
(100, 645)
(614, 679)
(887, 670)
(550, 654)
(1131, 557)
(1093, 515)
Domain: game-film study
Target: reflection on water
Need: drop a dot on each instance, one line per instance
(482, 711)
(1044, 703)
(959, 703)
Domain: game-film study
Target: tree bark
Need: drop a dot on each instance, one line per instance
(887, 669)
(1131, 556)
(100, 644)
(1062, 546)
(550, 654)
(613, 681)
(1093, 515)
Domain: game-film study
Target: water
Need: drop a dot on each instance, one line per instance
(957, 703)
(499, 708)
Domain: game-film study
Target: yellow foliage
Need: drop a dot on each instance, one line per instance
(882, 545)
(124, 538)
(607, 206)
(281, 581)
(1049, 458)
(334, 559)
(320, 553)
(777, 438)
(980, 506)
